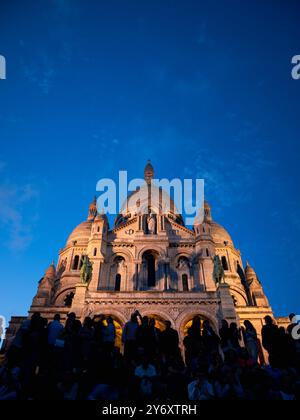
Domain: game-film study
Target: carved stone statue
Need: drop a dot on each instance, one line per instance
(218, 273)
(86, 270)
(182, 264)
(151, 223)
(120, 264)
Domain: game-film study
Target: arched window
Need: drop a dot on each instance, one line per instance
(118, 283)
(203, 229)
(224, 263)
(151, 270)
(95, 252)
(98, 229)
(75, 262)
(207, 252)
(185, 284)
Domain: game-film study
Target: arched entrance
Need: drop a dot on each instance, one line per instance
(159, 320)
(189, 323)
(117, 324)
(184, 322)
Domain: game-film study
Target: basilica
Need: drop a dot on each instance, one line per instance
(152, 263)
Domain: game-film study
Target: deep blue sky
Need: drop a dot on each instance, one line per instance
(202, 88)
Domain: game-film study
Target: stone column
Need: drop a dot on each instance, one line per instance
(195, 277)
(141, 277)
(227, 309)
(167, 282)
(94, 283)
(70, 260)
(165, 277)
(207, 272)
(136, 277)
(79, 299)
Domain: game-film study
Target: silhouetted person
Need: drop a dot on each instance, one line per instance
(129, 337)
(250, 340)
(155, 337)
(86, 337)
(210, 338)
(71, 348)
(270, 339)
(54, 330)
(193, 340)
(109, 335)
(235, 336)
(224, 334)
(144, 335)
(32, 350)
(169, 340)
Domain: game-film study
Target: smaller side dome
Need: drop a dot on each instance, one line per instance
(250, 274)
(50, 273)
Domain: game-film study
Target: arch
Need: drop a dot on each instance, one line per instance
(127, 255)
(59, 299)
(95, 252)
(239, 295)
(75, 262)
(118, 258)
(185, 254)
(183, 262)
(99, 310)
(163, 316)
(117, 324)
(68, 300)
(160, 251)
(183, 319)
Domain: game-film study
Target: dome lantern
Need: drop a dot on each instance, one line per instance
(93, 209)
(148, 172)
(207, 212)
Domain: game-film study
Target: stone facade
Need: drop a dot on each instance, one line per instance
(153, 263)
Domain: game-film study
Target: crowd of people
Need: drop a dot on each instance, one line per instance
(80, 361)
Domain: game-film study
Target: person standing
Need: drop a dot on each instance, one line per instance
(270, 340)
(169, 341)
(109, 335)
(250, 340)
(129, 334)
(55, 328)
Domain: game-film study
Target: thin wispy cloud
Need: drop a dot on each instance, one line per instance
(18, 214)
(39, 72)
(232, 180)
